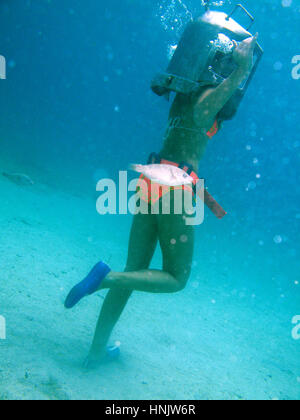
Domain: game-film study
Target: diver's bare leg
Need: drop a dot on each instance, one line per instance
(142, 244)
(177, 244)
(150, 281)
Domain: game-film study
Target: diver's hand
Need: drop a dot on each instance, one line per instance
(243, 53)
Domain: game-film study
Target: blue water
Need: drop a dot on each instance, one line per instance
(76, 106)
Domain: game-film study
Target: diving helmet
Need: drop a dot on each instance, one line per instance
(204, 57)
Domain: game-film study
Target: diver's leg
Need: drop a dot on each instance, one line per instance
(150, 281)
(142, 244)
(177, 244)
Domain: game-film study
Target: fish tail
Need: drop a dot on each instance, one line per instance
(136, 168)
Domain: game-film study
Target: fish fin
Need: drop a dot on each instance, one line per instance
(173, 174)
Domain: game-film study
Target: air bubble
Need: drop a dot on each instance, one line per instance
(278, 239)
(286, 3)
(252, 185)
(183, 238)
(278, 66)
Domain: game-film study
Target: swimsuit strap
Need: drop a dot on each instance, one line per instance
(212, 204)
(176, 124)
(214, 130)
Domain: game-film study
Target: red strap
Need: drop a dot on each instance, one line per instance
(211, 203)
(215, 207)
(214, 130)
(167, 162)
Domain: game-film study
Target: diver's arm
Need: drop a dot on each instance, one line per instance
(214, 99)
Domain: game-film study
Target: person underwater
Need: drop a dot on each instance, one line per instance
(193, 122)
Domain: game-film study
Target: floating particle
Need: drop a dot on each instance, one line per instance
(286, 3)
(278, 239)
(173, 241)
(11, 64)
(286, 161)
(258, 176)
(252, 185)
(274, 35)
(213, 301)
(183, 238)
(248, 147)
(117, 108)
(278, 66)
(255, 161)
(261, 243)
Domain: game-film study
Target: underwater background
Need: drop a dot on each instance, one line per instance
(76, 107)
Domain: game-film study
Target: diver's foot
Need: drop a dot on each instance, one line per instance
(88, 286)
(94, 361)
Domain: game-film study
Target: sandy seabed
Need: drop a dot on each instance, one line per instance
(215, 340)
